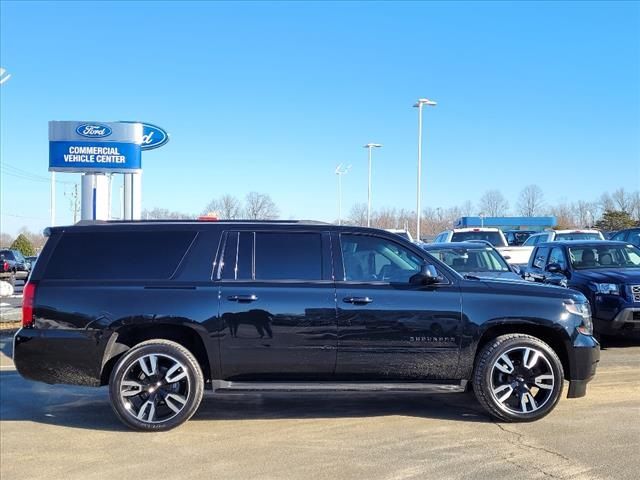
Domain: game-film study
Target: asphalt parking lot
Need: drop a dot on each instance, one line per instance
(70, 432)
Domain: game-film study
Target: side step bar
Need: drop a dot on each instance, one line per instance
(222, 386)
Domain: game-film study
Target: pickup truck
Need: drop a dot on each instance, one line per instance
(513, 255)
(607, 273)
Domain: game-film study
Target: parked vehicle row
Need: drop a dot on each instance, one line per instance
(161, 310)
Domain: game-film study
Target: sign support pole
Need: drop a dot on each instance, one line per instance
(53, 199)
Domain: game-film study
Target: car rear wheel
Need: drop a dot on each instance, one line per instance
(518, 378)
(156, 386)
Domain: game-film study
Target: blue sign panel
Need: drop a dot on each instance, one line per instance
(94, 156)
(95, 147)
(153, 136)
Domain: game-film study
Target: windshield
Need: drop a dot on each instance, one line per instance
(494, 238)
(465, 260)
(517, 238)
(579, 236)
(586, 258)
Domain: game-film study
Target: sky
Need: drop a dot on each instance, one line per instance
(271, 97)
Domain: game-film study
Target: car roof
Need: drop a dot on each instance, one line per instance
(578, 230)
(446, 245)
(203, 225)
(582, 243)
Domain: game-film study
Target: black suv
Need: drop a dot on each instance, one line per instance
(606, 272)
(160, 311)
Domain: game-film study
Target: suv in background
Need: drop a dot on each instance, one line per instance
(513, 255)
(562, 235)
(630, 235)
(159, 311)
(606, 272)
(19, 264)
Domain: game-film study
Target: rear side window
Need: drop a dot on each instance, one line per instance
(7, 254)
(288, 256)
(146, 255)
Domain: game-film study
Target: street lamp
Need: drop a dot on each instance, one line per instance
(418, 105)
(341, 170)
(370, 146)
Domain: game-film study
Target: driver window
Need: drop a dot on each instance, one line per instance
(373, 259)
(557, 256)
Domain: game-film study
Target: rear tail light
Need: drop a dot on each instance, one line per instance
(5, 266)
(28, 300)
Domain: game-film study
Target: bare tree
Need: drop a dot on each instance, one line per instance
(530, 201)
(606, 202)
(5, 240)
(358, 214)
(622, 200)
(493, 204)
(259, 206)
(164, 214)
(584, 213)
(227, 207)
(467, 208)
(564, 215)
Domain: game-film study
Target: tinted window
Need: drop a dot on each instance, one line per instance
(619, 236)
(118, 255)
(494, 238)
(288, 256)
(531, 240)
(634, 237)
(605, 256)
(370, 259)
(540, 257)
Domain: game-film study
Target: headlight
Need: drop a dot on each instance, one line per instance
(606, 288)
(584, 324)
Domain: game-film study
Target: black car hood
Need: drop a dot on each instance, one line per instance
(610, 275)
(524, 287)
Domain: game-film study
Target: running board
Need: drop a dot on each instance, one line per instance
(222, 385)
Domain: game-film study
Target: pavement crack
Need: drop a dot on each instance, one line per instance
(520, 442)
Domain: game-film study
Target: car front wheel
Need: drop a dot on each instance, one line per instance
(518, 378)
(156, 386)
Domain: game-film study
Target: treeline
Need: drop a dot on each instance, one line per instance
(611, 211)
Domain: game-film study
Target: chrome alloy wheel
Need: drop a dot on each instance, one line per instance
(155, 388)
(522, 380)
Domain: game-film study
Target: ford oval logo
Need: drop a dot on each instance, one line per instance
(153, 136)
(93, 130)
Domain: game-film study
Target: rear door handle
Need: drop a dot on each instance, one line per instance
(242, 298)
(358, 300)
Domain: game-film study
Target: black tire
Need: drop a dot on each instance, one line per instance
(517, 389)
(153, 393)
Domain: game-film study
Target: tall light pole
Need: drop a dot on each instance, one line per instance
(341, 170)
(370, 146)
(418, 105)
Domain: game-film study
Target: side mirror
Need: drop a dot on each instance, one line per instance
(428, 275)
(554, 268)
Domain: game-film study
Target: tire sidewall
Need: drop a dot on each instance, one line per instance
(167, 348)
(556, 367)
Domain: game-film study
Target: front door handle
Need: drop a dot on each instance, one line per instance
(358, 300)
(242, 298)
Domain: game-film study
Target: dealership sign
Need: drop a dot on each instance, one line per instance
(153, 136)
(112, 147)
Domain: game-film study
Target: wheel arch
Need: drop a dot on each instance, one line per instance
(125, 337)
(555, 338)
